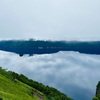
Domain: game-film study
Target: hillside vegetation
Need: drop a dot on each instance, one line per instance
(18, 87)
(97, 95)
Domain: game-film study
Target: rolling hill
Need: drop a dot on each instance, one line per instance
(18, 87)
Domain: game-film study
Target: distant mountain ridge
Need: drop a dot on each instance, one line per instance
(32, 47)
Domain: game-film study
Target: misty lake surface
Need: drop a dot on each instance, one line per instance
(76, 74)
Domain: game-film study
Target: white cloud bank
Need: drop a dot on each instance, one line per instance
(71, 72)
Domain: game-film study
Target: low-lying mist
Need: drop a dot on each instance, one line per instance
(70, 72)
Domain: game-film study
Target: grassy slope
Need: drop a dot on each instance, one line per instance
(10, 90)
(18, 87)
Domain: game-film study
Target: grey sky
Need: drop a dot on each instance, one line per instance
(50, 19)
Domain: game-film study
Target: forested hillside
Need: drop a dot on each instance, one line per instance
(31, 47)
(97, 95)
(18, 87)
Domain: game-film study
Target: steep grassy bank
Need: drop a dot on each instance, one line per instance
(18, 87)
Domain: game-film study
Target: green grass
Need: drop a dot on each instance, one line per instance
(15, 86)
(16, 90)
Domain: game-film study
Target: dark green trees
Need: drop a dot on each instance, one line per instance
(1, 99)
(97, 95)
(51, 93)
(95, 98)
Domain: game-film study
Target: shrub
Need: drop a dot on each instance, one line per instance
(1, 98)
(95, 98)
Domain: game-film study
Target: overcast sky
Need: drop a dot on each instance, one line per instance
(50, 19)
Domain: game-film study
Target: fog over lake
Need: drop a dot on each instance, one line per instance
(71, 72)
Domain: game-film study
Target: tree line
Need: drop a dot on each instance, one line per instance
(50, 92)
